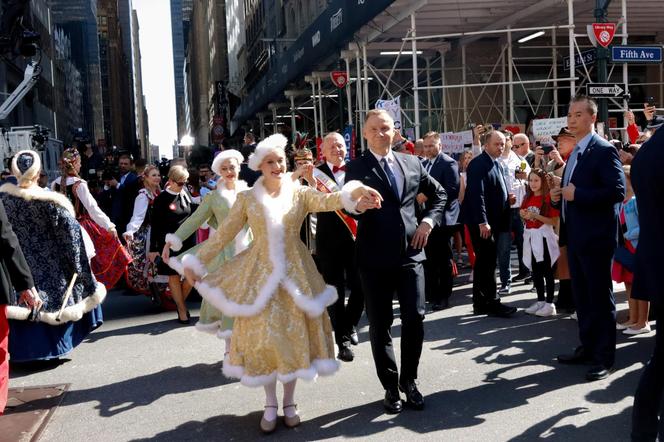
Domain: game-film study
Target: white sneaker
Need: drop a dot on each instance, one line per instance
(547, 310)
(624, 325)
(535, 307)
(637, 331)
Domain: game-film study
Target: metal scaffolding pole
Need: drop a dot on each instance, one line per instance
(443, 95)
(510, 75)
(428, 59)
(321, 119)
(348, 94)
(624, 41)
(293, 124)
(503, 79)
(261, 121)
(572, 67)
(311, 80)
(464, 97)
(274, 119)
(416, 94)
(358, 96)
(365, 80)
(554, 63)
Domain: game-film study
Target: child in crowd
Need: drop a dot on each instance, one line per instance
(623, 262)
(540, 243)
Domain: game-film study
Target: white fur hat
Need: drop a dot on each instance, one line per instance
(223, 156)
(26, 165)
(276, 142)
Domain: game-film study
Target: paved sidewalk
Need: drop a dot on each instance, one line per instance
(143, 377)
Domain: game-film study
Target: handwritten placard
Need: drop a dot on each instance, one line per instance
(545, 128)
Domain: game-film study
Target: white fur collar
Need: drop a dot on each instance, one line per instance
(35, 192)
(275, 207)
(230, 195)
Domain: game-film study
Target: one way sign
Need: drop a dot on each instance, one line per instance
(606, 90)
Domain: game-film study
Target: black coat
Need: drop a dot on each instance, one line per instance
(334, 242)
(445, 170)
(123, 201)
(384, 235)
(649, 189)
(14, 271)
(485, 201)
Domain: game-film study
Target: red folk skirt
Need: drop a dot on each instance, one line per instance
(4, 358)
(111, 258)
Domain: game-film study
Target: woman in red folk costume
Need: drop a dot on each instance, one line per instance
(110, 259)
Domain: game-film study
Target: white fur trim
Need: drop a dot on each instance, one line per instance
(193, 263)
(37, 193)
(223, 156)
(273, 143)
(175, 263)
(346, 195)
(225, 334)
(229, 195)
(318, 367)
(176, 243)
(210, 328)
(70, 314)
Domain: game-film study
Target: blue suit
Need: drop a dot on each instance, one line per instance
(589, 228)
(649, 190)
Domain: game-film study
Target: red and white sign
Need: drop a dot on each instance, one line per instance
(604, 32)
(339, 78)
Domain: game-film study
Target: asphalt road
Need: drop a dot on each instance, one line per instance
(141, 377)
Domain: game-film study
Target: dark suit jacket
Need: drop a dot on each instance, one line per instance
(384, 235)
(649, 190)
(334, 242)
(14, 269)
(590, 221)
(445, 170)
(485, 201)
(123, 202)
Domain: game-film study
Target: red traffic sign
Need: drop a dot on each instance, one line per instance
(604, 33)
(339, 78)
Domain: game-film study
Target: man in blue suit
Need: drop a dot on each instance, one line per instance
(486, 212)
(389, 250)
(592, 187)
(438, 265)
(649, 189)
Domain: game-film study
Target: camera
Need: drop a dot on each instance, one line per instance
(650, 101)
(547, 148)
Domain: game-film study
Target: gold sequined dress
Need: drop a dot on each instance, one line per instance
(272, 289)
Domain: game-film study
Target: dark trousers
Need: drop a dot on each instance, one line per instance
(484, 272)
(379, 286)
(649, 398)
(543, 272)
(438, 265)
(343, 274)
(592, 290)
(565, 298)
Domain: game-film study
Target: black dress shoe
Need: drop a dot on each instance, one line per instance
(414, 398)
(345, 353)
(353, 337)
(442, 305)
(501, 310)
(479, 309)
(521, 276)
(392, 402)
(598, 372)
(579, 357)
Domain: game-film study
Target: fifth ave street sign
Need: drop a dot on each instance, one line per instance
(636, 54)
(606, 90)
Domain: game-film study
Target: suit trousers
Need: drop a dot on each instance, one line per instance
(379, 286)
(343, 274)
(4, 358)
(649, 398)
(484, 273)
(592, 290)
(438, 265)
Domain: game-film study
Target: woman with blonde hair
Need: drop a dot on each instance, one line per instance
(170, 210)
(278, 299)
(213, 210)
(110, 257)
(137, 235)
(52, 242)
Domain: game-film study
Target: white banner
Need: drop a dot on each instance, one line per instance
(393, 107)
(545, 128)
(454, 142)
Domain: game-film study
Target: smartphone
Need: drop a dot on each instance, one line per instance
(650, 101)
(547, 148)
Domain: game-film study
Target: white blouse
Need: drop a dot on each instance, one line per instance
(88, 201)
(141, 205)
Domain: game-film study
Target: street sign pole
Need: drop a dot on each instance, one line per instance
(602, 61)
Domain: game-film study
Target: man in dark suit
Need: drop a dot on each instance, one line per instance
(335, 248)
(649, 190)
(124, 195)
(486, 212)
(438, 265)
(389, 250)
(592, 187)
(14, 272)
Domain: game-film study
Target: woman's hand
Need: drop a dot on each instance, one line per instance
(166, 253)
(152, 256)
(113, 232)
(31, 298)
(367, 198)
(191, 277)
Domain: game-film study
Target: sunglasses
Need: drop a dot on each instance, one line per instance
(180, 184)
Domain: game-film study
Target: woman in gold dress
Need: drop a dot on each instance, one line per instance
(272, 289)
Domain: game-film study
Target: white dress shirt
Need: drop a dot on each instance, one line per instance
(340, 175)
(396, 169)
